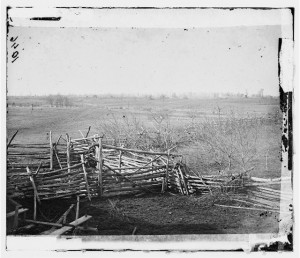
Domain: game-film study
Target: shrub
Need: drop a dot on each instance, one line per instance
(231, 142)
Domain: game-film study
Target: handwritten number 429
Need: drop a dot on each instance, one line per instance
(15, 54)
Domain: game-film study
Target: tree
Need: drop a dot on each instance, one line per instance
(231, 142)
(50, 100)
(59, 101)
(260, 93)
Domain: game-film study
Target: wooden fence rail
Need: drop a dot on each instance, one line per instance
(88, 167)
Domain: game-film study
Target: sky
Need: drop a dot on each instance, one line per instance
(123, 60)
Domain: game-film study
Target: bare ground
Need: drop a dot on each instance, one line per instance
(162, 214)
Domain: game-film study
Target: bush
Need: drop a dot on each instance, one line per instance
(157, 133)
(230, 142)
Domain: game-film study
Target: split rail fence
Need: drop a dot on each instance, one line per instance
(93, 166)
(86, 166)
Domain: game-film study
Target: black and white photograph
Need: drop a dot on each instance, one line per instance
(148, 128)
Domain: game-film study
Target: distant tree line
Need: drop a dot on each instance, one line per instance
(59, 101)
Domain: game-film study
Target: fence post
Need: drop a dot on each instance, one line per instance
(85, 177)
(35, 193)
(99, 167)
(77, 207)
(51, 150)
(68, 155)
(34, 208)
(167, 172)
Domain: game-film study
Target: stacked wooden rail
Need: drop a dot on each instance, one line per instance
(259, 198)
(85, 167)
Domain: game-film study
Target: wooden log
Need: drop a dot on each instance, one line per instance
(247, 208)
(77, 207)
(14, 202)
(99, 157)
(61, 176)
(138, 157)
(29, 144)
(67, 192)
(62, 219)
(73, 224)
(13, 213)
(81, 133)
(137, 179)
(16, 217)
(51, 150)
(138, 161)
(68, 153)
(24, 148)
(138, 151)
(12, 138)
(201, 182)
(273, 191)
(258, 179)
(87, 134)
(135, 185)
(39, 155)
(85, 178)
(148, 176)
(24, 165)
(183, 179)
(147, 168)
(165, 184)
(178, 181)
(44, 223)
(127, 178)
(62, 169)
(59, 184)
(87, 138)
(148, 163)
(55, 151)
(247, 202)
(58, 196)
(134, 230)
(214, 182)
(134, 174)
(34, 206)
(57, 142)
(267, 183)
(121, 190)
(33, 184)
(38, 169)
(265, 202)
(267, 196)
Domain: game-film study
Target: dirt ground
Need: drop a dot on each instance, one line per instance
(166, 214)
(162, 214)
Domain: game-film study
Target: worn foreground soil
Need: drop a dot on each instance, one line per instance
(162, 214)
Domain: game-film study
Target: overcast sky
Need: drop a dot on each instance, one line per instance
(144, 60)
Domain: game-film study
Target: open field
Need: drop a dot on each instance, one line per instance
(159, 214)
